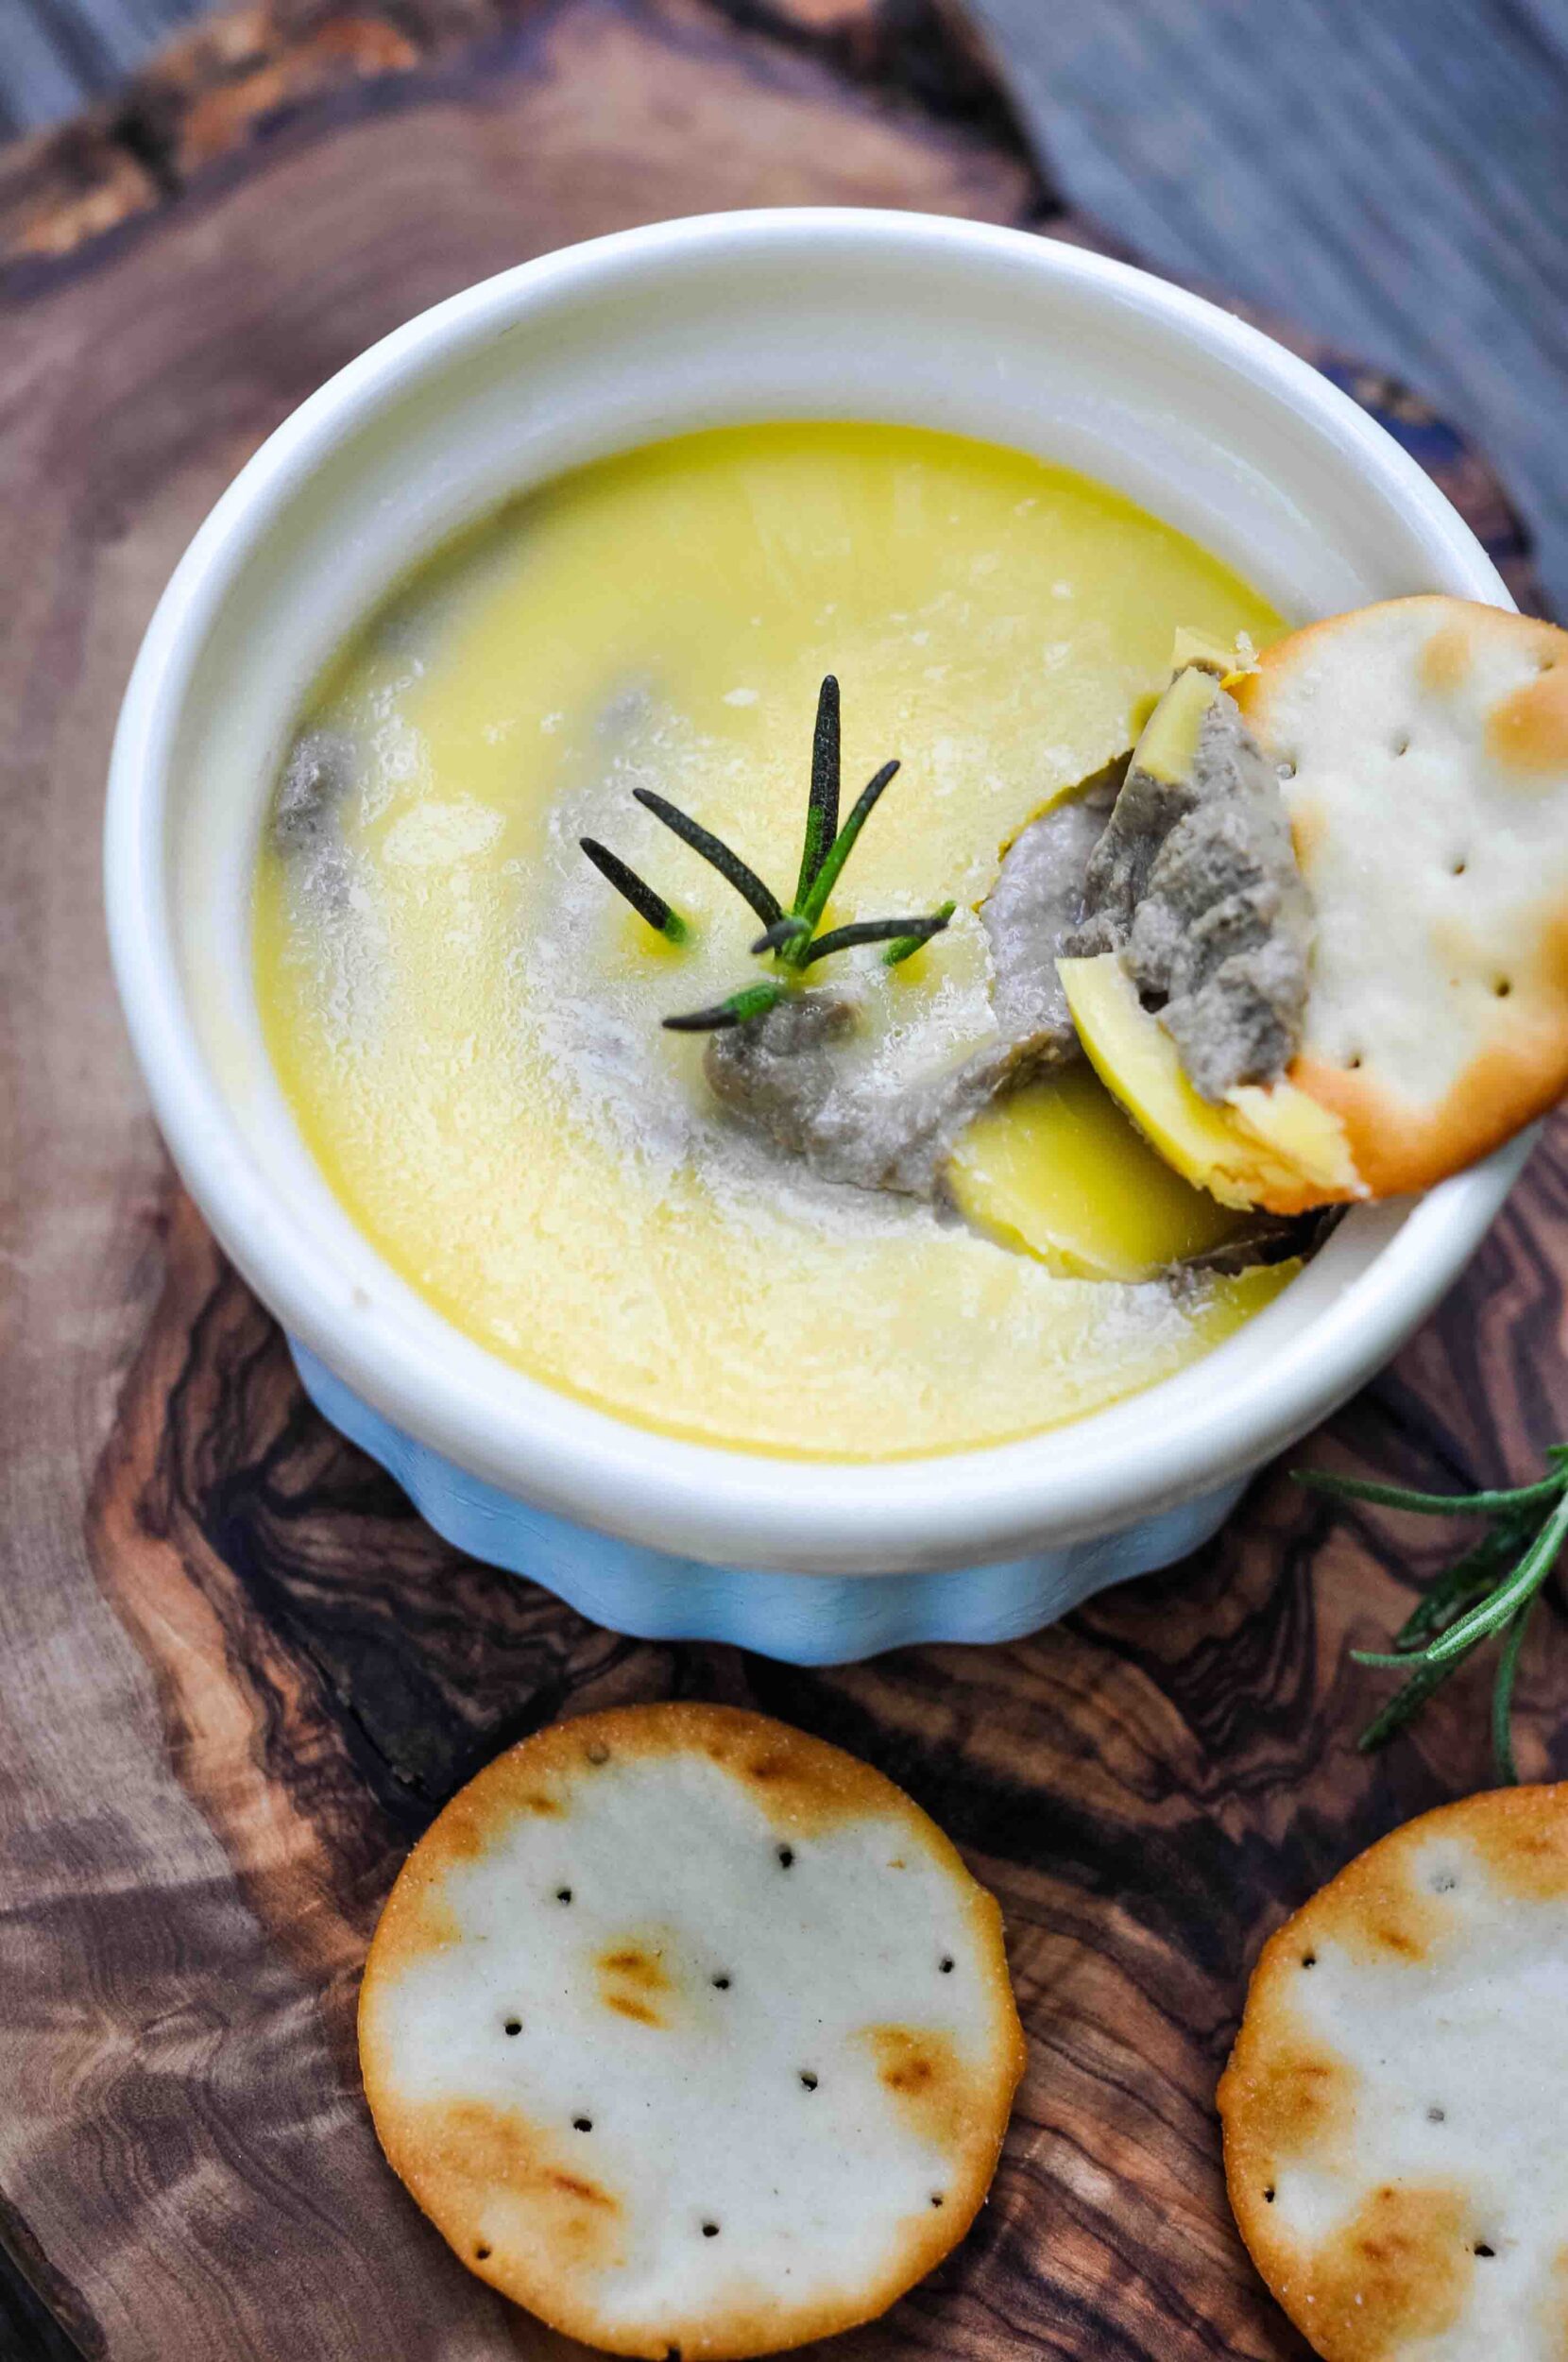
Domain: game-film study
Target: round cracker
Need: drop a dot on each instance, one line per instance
(690, 2033)
(1395, 2104)
(1423, 755)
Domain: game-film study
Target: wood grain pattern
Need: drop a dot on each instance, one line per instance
(236, 1674)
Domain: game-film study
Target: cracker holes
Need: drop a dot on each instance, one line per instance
(563, 1894)
(786, 1854)
(1444, 1882)
(808, 2079)
(1400, 746)
(1436, 2116)
(946, 1964)
(1354, 1062)
(481, 2255)
(1458, 866)
(1269, 2195)
(1288, 767)
(1309, 1959)
(597, 1753)
(582, 2124)
(1483, 2247)
(1502, 988)
(937, 2198)
(720, 1984)
(511, 2025)
(711, 2231)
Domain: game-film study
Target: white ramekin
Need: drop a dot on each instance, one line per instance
(737, 316)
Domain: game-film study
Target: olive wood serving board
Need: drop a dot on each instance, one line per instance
(237, 1675)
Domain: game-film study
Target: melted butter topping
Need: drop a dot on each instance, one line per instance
(465, 1019)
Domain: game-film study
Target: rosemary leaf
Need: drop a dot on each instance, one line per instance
(1502, 1694)
(1428, 1504)
(764, 901)
(1526, 1579)
(643, 899)
(822, 808)
(905, 947)
(783, 931)
(1460, 1585)
(914, 931)
(843, 845)
(1403, 1706)
(751, 1000)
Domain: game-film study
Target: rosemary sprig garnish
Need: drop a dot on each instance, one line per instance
(1492, 1590)
(789, 937)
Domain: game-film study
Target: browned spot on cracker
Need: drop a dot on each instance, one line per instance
(1298, 2099)
(624, 2006)
(1379, 1909)
(575, 2186)
(432, 1923)
(1398, 2272)
(464, 1833)
(631, 1971)
(642, 1967)
(1390, 1935)
(920, 2066)
(1527, 730)
(471, 2164)
(1444, 661)
(542, 1804)
(1523, 1840)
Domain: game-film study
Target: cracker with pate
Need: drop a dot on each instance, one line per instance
(1423, 750)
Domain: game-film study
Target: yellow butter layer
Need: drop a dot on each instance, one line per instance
(464, 1019)
(1059, 1171)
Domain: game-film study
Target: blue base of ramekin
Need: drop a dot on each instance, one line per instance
(799, 1618)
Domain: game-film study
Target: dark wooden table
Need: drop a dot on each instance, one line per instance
(237, 1676)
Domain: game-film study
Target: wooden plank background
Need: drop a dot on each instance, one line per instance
(1391, 173)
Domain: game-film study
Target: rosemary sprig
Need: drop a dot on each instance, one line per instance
(789, 937)
(1492, 1590)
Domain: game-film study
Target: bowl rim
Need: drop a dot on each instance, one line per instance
(707, 1499)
